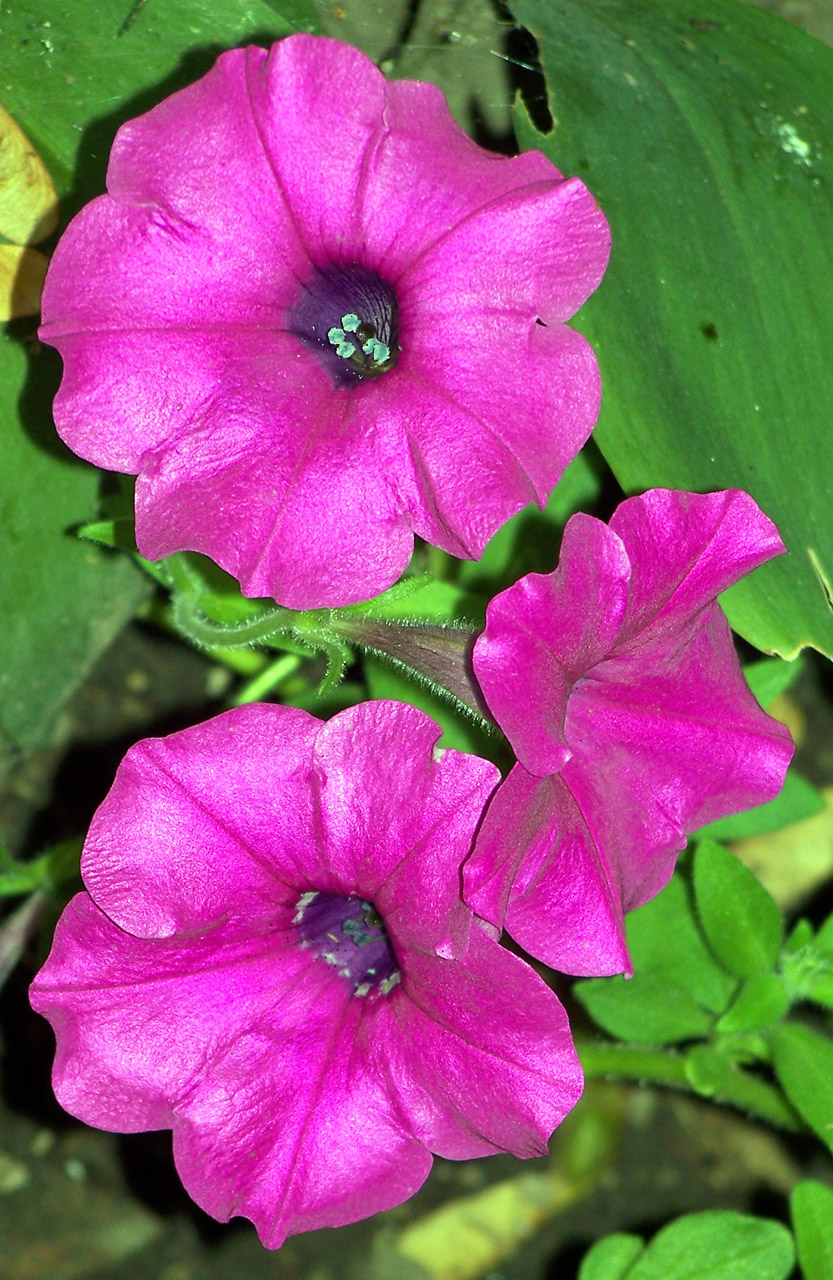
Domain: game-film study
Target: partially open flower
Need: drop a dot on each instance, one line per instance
(316, 319)
(273, 959)
(616, 680)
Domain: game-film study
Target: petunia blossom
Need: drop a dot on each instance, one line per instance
(273, 959)
(316, 319)
(616, 680)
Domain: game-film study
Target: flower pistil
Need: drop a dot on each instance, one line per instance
(349, 312)
(349, 934)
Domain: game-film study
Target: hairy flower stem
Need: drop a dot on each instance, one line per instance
(739, 1089)
(201, 631)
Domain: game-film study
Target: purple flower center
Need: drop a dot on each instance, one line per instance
(350, 935)
(349, 315)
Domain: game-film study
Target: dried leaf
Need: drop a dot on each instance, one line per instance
(28, 203)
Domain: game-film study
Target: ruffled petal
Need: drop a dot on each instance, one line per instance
(374, 172)
(541, 250)
(282, 484)
(479, 1054)
(544, 632)
(129, 394)
(208, 826)
(293, 1127)
(396, 819)
(464, 461)
(170, 248)
(138, 1023)
(540, 871)
(676, 728)
(685, 548)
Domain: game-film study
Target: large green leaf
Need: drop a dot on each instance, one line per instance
(704, 127)
(71, 74)
(62, 601)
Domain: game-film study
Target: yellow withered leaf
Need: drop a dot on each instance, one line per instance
(28, 203)
(22, 271)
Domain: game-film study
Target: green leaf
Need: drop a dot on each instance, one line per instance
(811, 1205)
(739, 918)
(803, 1062)
(703, 127)
(798, 799)
(63, 600)
(610, 1258)
(807, 967)
(824, 937)
(771, 677)
(761, 1001)
(645, 1009)
(664, 937)
(73, 76)
(713, 1071)
(717, 1245)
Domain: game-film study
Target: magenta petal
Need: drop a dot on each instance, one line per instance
(162, 255)
(489, 433)
(445, 1044)
(248, 215)
(544, 632)
(674, 730)
(205, 826)
(293, 1127)
(149, 387)
(539, 869)
(308, 517)
(685, 548)
(310, 997)
(375, 144)
(541, 249)
(618, 674)
(137, 1021)
(395, 820)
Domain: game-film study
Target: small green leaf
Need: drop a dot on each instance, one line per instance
(740, 920)
(797, 800)
(717, 1245)
(707, 1070)
(803, 1062)
(800, 937)
(610, 1258)
(646, 1009)
(806, 967)
(664, 937)
(824, 937)
(811, 1205)
(761, 1001)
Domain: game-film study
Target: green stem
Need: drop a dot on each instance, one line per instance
(200, 630)
(267, 681)
(665, 1067)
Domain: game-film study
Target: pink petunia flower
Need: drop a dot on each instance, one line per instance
(273, 959)
(616, 680)
(316, 319)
